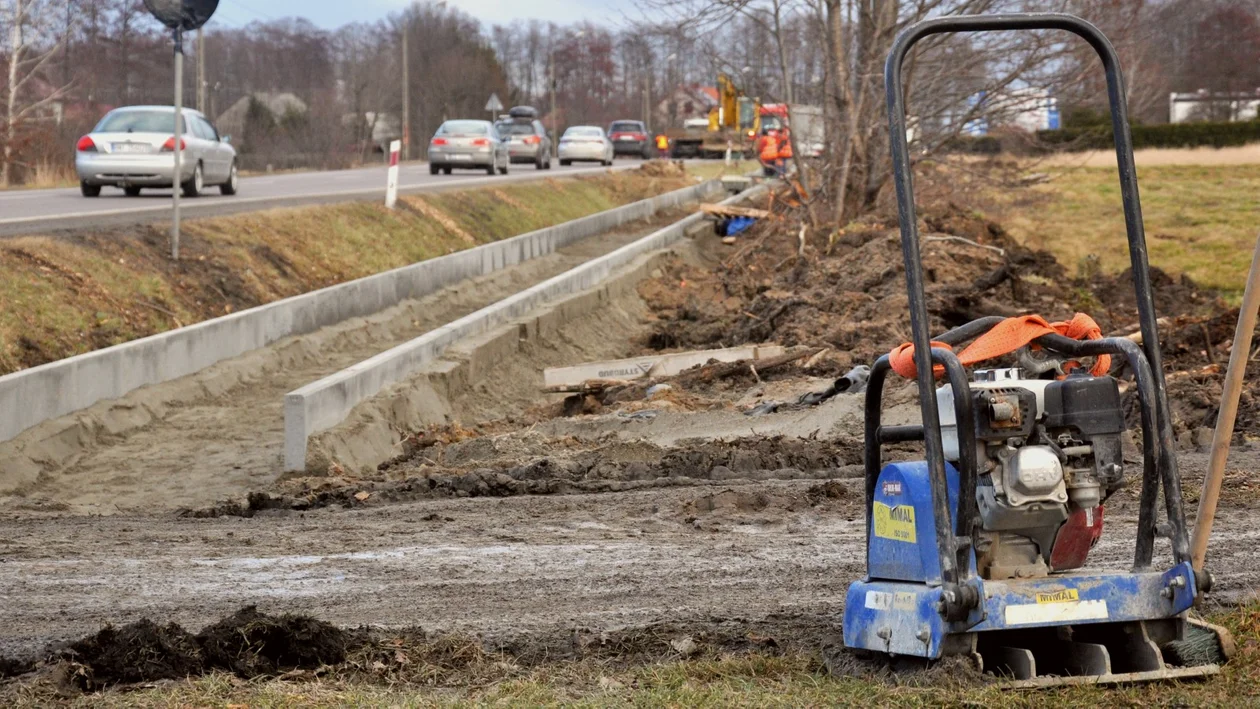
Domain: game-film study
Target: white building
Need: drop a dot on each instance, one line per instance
(1028, 109)
(1205, 106)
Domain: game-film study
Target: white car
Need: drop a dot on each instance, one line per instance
(134, 148)
(585, 143)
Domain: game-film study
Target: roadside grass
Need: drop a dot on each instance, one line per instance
(1201, 220)
(65, 295)
(790, 679)
(46, 175)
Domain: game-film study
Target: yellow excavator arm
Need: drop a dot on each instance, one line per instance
(735, 111)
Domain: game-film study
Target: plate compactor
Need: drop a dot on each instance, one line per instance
(981, 549)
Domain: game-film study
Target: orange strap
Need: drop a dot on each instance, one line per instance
(1006, 337)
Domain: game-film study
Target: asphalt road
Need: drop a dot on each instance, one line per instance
(43, 211)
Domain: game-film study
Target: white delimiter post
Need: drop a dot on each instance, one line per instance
(391, 187)
(179, 139)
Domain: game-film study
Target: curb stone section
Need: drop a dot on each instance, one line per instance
(33, 396)
(325, 403)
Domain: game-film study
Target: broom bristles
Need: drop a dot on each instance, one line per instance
(1204, 644)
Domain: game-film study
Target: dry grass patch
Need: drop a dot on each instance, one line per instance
(1200, 220)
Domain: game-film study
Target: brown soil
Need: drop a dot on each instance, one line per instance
(250, 643)
(531, 464)
(850, 297)
(621, 529)
(247, 643)
(139, 652)
(594, 574)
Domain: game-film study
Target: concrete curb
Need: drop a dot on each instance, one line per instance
(46, 392)
(324, 404)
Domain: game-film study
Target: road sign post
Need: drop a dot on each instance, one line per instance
(391, 186)
(179, 142)
(494, 105)
(180, 16)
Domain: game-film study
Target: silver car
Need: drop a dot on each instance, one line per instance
(527, 141)
(468, 144)
(134, 148)
(585, 143)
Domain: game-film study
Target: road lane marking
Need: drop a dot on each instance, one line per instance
(365, 192)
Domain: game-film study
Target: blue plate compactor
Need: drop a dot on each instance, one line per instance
(980, 549)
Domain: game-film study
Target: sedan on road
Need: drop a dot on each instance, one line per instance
(134, 148)
(630, 138)
(467, 144)
(585, 143)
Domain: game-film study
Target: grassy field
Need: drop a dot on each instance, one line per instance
(750, 680)
(64, 295)
(1201, 220)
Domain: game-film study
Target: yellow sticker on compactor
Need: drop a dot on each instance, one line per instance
(895, 523)
(1067, 595)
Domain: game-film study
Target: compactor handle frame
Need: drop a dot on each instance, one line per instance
(953, 545)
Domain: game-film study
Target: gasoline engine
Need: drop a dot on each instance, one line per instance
(1050, 455)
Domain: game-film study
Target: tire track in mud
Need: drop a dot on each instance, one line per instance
(523, 565)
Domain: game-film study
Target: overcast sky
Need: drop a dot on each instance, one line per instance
(334, 13)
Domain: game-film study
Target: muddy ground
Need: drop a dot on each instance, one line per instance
(569, 525)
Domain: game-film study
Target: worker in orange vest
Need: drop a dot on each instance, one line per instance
(785, 146)
(785, 152)
(768, 152)
(662, 145)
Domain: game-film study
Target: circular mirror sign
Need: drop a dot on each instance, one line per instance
(182, 15)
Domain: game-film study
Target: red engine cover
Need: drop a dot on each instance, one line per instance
(1076, 537)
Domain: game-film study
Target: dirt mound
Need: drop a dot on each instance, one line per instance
(140, 652)
(848, 295)
(251, 643)
(663, 168)
(248, 643)
(851, 298)
(493, 467)
(1174, 296)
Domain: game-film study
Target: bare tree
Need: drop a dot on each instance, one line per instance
(32, 45)
(951, 81)
(365, 89)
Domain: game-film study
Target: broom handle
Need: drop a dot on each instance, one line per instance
(1238, 356)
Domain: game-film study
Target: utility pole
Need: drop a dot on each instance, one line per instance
(647, 101)
(406, 93)
(555, 138)
(201, 70)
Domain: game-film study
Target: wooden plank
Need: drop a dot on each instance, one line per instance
(731, 211)
(666, 365)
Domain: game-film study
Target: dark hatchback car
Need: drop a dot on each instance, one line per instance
(630, 138)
